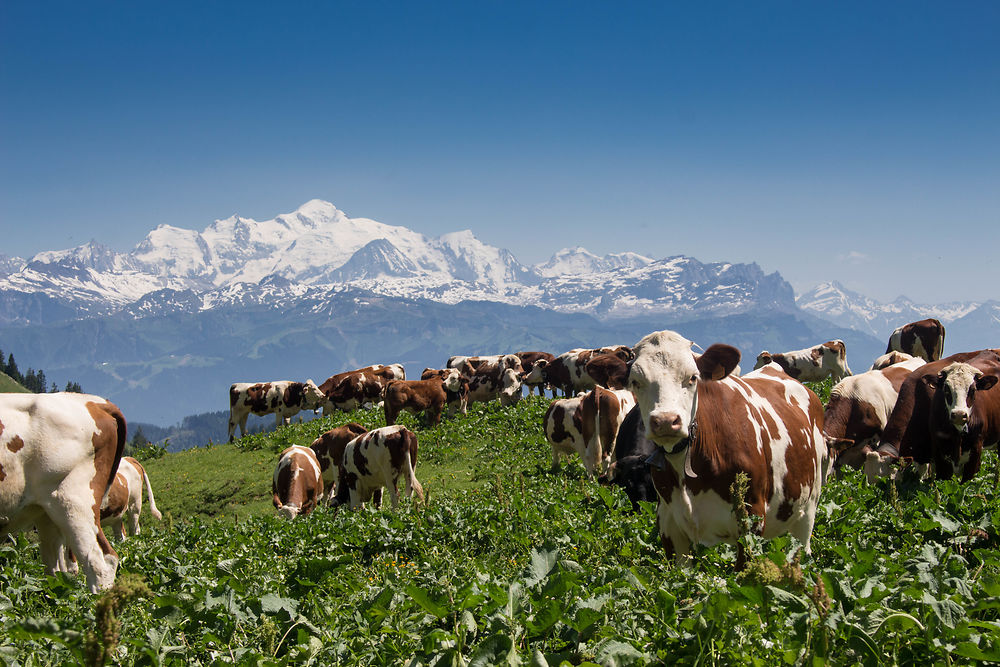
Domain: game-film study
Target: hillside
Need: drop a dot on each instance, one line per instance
(9, 385)
(510, 563)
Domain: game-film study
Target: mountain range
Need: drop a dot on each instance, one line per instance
(165, 328)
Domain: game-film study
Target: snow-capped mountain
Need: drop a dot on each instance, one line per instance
(833, 302)
(320, 250)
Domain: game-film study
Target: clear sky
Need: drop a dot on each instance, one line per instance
(855, 141)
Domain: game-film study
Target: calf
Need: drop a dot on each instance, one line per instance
(59, 454)
(297, 484)
(124, 499)
(859, 408)
(329, 451)
(924, 339)
(283, 398)
(708, 427)
(376, 460)
(945, 415)
(427, 396)
(811, 364)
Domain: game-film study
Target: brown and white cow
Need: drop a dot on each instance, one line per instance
(587, 426)
(297, 484)
(329, 450)
(376, 460)
(568, 372)
(947, 412)
(891, 359)
(859, 408)
(811, 364)
(924, 339)
(282, 398)
(427, 396)
(709, 426)
(355, 389)
(59, 454)
(528, 360)
(124, 499)
(458, 399)
(490, 380)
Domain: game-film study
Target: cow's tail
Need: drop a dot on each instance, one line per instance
(410, 461)
(121, 429)
(149, 492)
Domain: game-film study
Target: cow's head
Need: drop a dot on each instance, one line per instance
(510, 387)
(452, 380)
(623, 352)
(956, 387)
(664, 379)
(510, 361)
(763, 359)
(832, 355)
(537, 373)
(312, 397)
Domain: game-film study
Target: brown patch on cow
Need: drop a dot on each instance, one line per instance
(784, 510)
(256, 397)
(117, 499)
(838, 347)
(668, 545)
(3, 475)
(15, 444)
(294, 393)
(109, 443)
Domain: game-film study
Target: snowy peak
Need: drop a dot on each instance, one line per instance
(577, 261)
(377, 259)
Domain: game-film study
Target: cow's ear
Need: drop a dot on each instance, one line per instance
(986, 382)
(817, 354)
(718, 361)
(932, 380)
(837, 445)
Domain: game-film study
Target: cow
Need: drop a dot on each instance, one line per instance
(607, 370)
(528, 360)
(568, 372)
(329, 451)
(283, 398)
(124, 499)
(352, 390)
(492, 378)
(458, 399)
(587, 426)
(811, 364)
(924, 339)
(859, 408)
(297, 484)
(709, 427)
(945, 415)
(59, 454)
(630, 469)
(374, 461)
(427, 396)
(891, 359)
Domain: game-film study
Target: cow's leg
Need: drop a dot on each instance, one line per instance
(377, 497)
(675, 542)
(243, 425)
(232, 427)
(394, 494)
(133, 519)
(52, 545)
(84, 536)
(555, 459)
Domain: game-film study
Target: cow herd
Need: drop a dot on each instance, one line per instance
(664, 422)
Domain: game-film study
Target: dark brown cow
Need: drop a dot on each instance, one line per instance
(608, 371)
(59, 454)
(709, 426)
(376, 460)
(924, 339)
(427, 396)
(282, 398)
(859, 408)
(946, 414)
(351, 390)
(297, 485)
(457, 400)
(329, 450)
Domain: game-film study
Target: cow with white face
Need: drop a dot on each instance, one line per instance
(710, 426)
(297, 484)
(811, 364)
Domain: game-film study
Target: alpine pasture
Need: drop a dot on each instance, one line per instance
(508, 562)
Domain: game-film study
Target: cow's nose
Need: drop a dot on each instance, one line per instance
(665, 423)
(960, 418)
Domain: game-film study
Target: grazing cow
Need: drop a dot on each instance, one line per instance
(891, 359)
(859, 408)
(283, 398)
(924, 339)
(329, 451)
(124, 499)
(297, 484)
(427, 396)
(811, 364)
(587, 425)
(709, 427)
(945, 415)
(351, 390)
(376, 460)
(59, 454)
(528, 360)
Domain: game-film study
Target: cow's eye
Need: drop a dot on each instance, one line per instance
(691, 380)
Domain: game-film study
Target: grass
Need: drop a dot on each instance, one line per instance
(9, 385)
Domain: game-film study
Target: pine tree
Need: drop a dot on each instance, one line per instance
(11, 369)
(41, 381)
(74, 387)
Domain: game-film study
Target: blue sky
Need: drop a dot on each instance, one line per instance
(853, 141)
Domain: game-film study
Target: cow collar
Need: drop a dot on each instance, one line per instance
(888, 448)
(658, 459)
